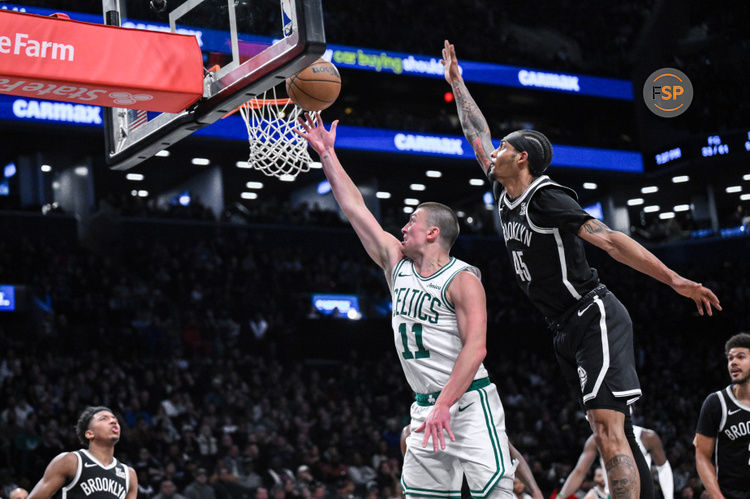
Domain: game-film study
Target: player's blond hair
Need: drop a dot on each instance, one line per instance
(440, 216)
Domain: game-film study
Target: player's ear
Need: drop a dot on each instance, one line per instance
(522, 156)
(433, 233)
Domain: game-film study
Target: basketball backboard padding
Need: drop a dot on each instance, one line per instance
(224, 91)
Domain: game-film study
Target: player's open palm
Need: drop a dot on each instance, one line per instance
(315, 133)
(701, 295)
(450, 63)
(437, 421)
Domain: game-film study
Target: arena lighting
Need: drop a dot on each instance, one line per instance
(315, 165)
(134, 193)
(9, 170)
(433, 173)
(649, 189)
(201, 161)
(448, 97)
(681, 207)
(162, 154)
(733, 188)
(249, 195)
(635, 202)
(417, 187)
(746, 176)
(184, 199)
(460, 214)
(411, 202)
(254, 185)
(476, 181)
(287, 177)
(46, 168)
(383, 195)
(408, 209)
(488, 199)
(135, 177)
(242, 164)
(324, 187)
(590, 186)
(666, 215)
(651, 209)
(680, 179)
(142, 193)
(745, 197)
(81, 171)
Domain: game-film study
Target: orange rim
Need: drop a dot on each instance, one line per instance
(258, 103)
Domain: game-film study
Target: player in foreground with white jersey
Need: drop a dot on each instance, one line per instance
(440, 326)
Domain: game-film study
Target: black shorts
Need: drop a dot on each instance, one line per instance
(594, 348)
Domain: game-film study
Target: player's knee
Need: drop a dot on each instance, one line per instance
(609, 438)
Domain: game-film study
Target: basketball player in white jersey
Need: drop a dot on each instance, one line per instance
(92, 472)
(599, 490)
(439, 323)
(652, 449)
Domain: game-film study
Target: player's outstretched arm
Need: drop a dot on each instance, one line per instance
(625, 250)
(59, 472)
(524, 473)
(474, 125)
(467, 295)
(575, 479)
(704, 449)
(382, 247)
(653, 445)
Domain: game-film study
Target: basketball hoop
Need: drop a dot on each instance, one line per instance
(275, 149)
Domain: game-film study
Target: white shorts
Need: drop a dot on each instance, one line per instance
(480, 451)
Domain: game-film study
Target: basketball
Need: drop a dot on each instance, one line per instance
(316, 87)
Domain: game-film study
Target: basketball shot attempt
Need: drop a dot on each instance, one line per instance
(275, 149)
(316, 87)
(439, 325)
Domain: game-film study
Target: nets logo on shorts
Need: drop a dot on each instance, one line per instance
(583, 377)
(668, 92)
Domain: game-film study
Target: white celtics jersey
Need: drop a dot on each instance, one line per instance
(424, 322)
(638, 430)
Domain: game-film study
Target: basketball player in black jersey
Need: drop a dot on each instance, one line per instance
(92, 472)
(543, 225)
(724, 427)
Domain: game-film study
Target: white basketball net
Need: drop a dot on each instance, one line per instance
(275, 149)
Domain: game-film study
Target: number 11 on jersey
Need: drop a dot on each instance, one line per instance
(416, 329)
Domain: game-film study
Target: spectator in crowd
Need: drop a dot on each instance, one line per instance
(168, 490)
(200, 488)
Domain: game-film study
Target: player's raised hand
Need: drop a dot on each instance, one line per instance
(437, 421)
(450, 63)
(315, 133)
(701, 295)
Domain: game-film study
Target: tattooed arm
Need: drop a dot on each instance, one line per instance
(474, 124)
(625, 250)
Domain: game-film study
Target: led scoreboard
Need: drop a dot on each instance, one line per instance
(729, 146)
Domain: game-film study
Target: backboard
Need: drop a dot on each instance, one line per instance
(248, 46)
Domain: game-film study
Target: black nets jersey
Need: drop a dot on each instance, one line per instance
(93, 480)
(726, 419)
(540, 228)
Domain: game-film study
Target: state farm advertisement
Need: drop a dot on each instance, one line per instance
(59, 59)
